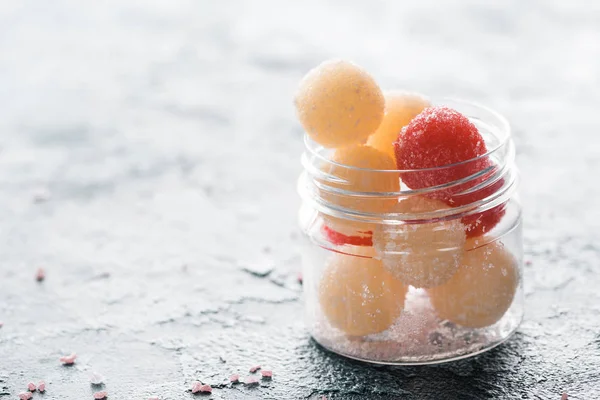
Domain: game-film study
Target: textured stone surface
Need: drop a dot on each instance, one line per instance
(148, 163)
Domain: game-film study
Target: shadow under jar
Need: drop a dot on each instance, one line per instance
(414, 276)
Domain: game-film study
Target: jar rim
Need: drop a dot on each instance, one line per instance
(324, 182)
(503, 128)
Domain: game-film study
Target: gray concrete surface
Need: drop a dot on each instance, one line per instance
(164, 133)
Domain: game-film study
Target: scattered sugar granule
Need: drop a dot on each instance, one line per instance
(234, 378)
(41, 386)
(41, 195)
(96, 379)
(250, 380)
(196, 387)
(68, 360)
(31, 387)
(205, 389)
(255, 368)
(300, 278)
(153, 398)
(266, 373)
(25, 395)
(100, 395)
(564, 396)
(40, 275)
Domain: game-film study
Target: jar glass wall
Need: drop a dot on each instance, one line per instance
(397, 276)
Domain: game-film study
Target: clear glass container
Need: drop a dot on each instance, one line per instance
(404, 278)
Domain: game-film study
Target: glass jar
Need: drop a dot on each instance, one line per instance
(414, 276)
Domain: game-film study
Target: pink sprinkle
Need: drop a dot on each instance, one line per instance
(196, 387)
(25, 395)
(323, 397)
(153, 398)
(69, 360)
(31, 387)
(250, 380)
(300, 278)
(234, 378)
(528, 262)
(96, 379)
(42, 386)
(205, 389)
(564, 396)
(100, 395)
(40, 275)
(255, 368)
(266, 373)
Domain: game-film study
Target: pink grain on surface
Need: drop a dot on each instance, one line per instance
(564, 396)
(100, 395)
(266, 373)
(25, 395)
(234, 378)
(31, 387)
(205, 389)
(96, 379)
(196, 387)
(42, 386)
(250, 380)
(255, 368)
(68, 360)
(40, 275)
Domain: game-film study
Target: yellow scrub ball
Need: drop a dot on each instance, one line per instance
(358, 296)
(400, 109)
(424, 255)
(338, 103)
(482, 289)
(356, 174)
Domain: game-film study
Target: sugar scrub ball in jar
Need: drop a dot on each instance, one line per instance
(423, 254)
(357, 168)
(358, 296)
(482, 289)
(449, 147)
(400, 109)
(437, 137)
(361, 168)
(338, 103)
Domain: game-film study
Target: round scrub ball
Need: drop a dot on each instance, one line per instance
(357, 168)
(358, 296)
(421, 253)
(482, 289)
(339, 103)
(400, 109)
(437, 137)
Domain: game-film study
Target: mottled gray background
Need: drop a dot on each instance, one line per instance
(165, 135)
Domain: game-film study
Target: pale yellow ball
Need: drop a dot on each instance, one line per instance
(400, 109)
(423, 254)
(482, 289)
(355, 169)
(358, 296)
(339, 103)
